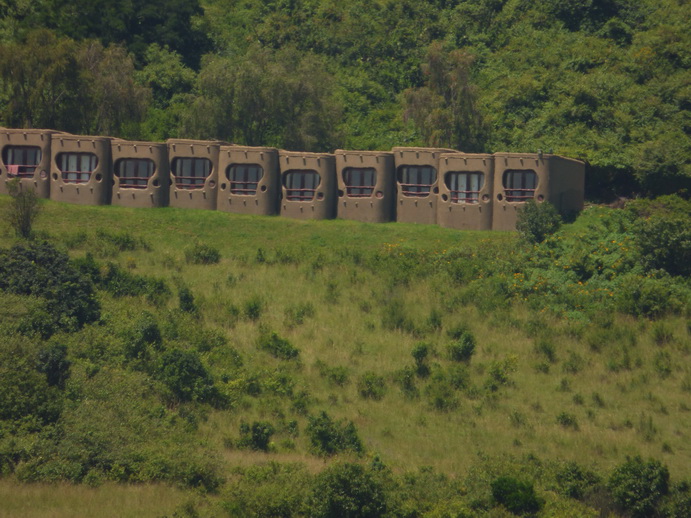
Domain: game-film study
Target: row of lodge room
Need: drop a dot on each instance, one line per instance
(411, 185)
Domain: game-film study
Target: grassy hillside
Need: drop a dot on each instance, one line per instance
(222, 338)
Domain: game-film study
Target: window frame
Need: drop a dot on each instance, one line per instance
(22, 166)
(363, 188)
(514, 193)
(194, 180)
(301, 192)
(467, 195)
(413, 187)
(134, 182)
(247, 186)
(79, 174)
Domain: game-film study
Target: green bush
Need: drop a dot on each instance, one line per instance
(186, 300)
(328, 437)
(347, 490)
(536, 221)
(256, 436)
(200, 253)
(53, 362)
(40, 270)
(516, 495)
(371, 386)
(574, 481)
(277, 346)
(23, 209)
(462, 349)
(186, 377)
(420, 353)
(638, 485)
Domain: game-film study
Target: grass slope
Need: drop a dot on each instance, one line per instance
(355, 299)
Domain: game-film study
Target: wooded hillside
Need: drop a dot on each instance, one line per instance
(606, 81)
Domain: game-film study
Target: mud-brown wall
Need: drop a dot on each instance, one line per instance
(465, 210)
(95, 190)
(377, 206)
(560, 181)
(261, 197)
(205, 193)
(39, 180)
(418, 207)
(323, 203)
(155, 192)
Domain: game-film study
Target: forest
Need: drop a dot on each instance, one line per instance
(604, 81)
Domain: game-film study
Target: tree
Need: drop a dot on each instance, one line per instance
(638, 485)
(23, 208)
(279, 98)
(444, 110)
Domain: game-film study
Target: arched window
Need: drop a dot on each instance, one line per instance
(301, 184)
(464, 187)
(134, 173)
(76, 167)
(416, 180)
(244, 178)
(191, 173)
(21, 161)
(519, 185)
(360, 181)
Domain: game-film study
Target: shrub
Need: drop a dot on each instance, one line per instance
(252, 308)
(663, 233)
(639, 485)
(256, 436)
(516, 495)
(40, 270)
(186, 300)
(536, 221)
(328, 437)
(296, 315)
(567, 420)
(23, 208)
(336, 375)
(277, 346)
(53, 362)
(143, 334)
(186, 377)
(420, 353)
(347, 491)
(371, 386)
(200, 253)
(462, 349)
(574, 481)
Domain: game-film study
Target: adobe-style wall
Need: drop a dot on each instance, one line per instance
(80, 170)
(249, 180)
(466, 183)
(417, 181)
(17, 147)
(304, 195)
(193, 173)
(140, 174)
(557, 180)
(366, 186)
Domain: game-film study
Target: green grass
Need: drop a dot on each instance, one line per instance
(607, 377)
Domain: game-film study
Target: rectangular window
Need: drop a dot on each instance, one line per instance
(21, 161)
(359, 182)
(244, 178)
(76, 167)
(191, 173)
(134, 173)
(416, 181)
(464, 187)
(520, 185)
(301, 185)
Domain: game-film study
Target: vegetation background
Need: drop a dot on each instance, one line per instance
(194, 363)
(605, 81)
